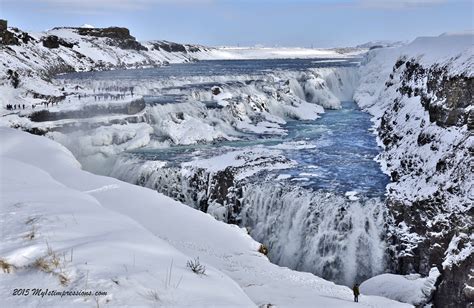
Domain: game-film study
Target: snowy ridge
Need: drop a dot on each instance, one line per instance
(241, 53)
(130, 246)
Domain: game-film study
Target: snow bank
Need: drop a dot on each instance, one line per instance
(412, 289)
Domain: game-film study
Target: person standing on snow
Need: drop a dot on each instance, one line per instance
(356, 291)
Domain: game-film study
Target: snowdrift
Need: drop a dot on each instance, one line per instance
(411, 289)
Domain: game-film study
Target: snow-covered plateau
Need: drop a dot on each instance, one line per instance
(234, 138)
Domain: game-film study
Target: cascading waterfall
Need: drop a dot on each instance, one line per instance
(314, 231)
(318, 232)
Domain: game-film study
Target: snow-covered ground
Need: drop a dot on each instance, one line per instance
(67, 229)
(240, 53)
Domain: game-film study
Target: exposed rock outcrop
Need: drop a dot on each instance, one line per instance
(12, 36)
(428, 145)
(117, 36)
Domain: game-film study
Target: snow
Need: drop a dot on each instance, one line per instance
(352, 195)
(105, 249)
(240, 53)
(454, 253)
(249, 162)
(412, 288)
(108, 241)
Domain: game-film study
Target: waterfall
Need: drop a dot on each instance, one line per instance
(314, 231)
(318, 232)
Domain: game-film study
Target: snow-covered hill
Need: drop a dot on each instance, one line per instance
(421, 96)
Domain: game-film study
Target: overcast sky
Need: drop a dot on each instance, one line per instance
(318, 23)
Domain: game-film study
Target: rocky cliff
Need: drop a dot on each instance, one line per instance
(423, 110)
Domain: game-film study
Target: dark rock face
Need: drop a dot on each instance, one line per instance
(13, 77)
(111, 32)
(175, 47)
(13, 37)
(170, 47)
(6, 36)
(119, 36)
(3, 25)
(450, 97)
(454, 292)
(52, 41)
(445, 97)
(425, 224)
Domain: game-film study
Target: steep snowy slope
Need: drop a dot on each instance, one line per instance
(67, 229)
(422, 98)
